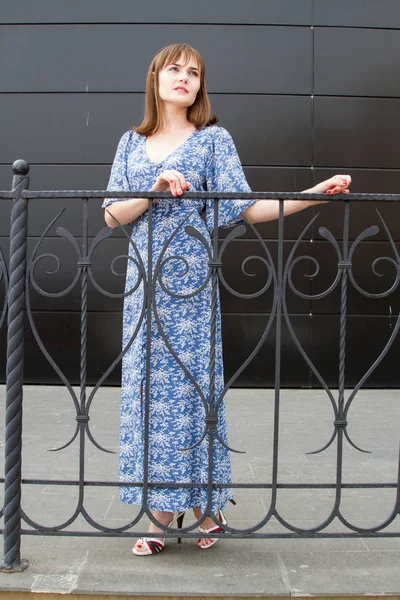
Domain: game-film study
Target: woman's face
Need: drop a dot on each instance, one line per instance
(178, 83)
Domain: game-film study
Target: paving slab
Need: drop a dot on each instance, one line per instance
(274, 567)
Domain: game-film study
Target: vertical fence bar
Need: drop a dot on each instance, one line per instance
(340, 423)
(15, 373)
(278, 351)
(151, 282)
(82, 417)
(212, 418)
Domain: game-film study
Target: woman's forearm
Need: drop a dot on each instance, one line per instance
(268, 210)
(125, 212)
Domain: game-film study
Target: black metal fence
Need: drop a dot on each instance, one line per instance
(19, 279)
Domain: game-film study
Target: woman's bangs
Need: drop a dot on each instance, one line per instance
(174, 53)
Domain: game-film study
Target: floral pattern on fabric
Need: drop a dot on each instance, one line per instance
(209, 161)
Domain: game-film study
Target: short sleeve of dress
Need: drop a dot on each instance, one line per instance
(119, 176)
(224, 173)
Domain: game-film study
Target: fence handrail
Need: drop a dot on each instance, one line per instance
(300, 196)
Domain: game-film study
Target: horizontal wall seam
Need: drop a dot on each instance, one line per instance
(109, 164)
(253, 240)
(367, 27)
(210, 93)
(268, 166)
(195, 24)
(308, 314)
(142, 92)
(157, 23)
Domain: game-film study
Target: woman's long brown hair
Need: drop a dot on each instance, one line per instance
(199, 113)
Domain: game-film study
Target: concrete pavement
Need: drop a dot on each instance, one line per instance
(240, 567)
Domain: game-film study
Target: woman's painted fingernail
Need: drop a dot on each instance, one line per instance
(329, 192)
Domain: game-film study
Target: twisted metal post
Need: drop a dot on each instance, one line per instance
(15, 364)
(341, 423)
(82, 418)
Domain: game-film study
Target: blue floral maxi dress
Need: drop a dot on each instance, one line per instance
(209, 161)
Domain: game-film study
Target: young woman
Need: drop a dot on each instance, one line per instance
(177, 148)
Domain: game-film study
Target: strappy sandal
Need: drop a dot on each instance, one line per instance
(147, 546)
(215, 529)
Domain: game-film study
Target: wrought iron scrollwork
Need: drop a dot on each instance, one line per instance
(344, 270)
(148, 280)
(83, 269)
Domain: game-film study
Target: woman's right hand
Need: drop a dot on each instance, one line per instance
(172, 181)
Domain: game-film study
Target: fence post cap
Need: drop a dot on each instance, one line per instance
(20, 167)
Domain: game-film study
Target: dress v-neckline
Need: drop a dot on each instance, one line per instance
(172, 151)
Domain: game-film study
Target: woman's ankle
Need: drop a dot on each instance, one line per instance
(207, 523)
(197, 513)
(163, 517)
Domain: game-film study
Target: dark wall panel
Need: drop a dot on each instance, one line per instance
(42, 211)
(76, 59)
(61, 177)
(66, 128)
(261, 371)
(357, 132)
(277, 179)
(268, 130)
(365, 339)
(293, 226)
(60, 334)
(284, 12)
(302, 103)
(362, 216)
(357, 13)
(378, 283)
(373, 181)
(373, 56)
(365, 214)
(237, 262)
(52, 281)
(77, 128)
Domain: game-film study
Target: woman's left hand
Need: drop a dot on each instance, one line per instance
(335, 185)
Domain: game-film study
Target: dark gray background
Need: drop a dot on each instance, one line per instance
(307, 88)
